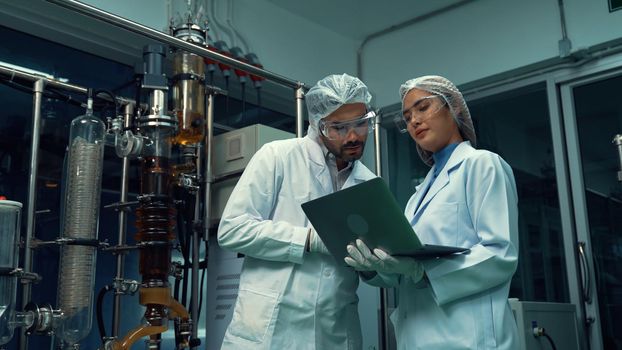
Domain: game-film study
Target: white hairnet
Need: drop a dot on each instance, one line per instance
(333, 92)
(441, 86)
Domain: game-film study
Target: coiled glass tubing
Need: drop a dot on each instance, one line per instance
(10, 213)
(77, 262)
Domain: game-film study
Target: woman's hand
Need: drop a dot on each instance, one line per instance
(362, 259)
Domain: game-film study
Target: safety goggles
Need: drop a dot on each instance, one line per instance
(339, 130)
(421, 110)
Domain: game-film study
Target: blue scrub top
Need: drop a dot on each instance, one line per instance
(441, 157)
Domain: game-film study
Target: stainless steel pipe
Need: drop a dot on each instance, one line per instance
(16, 73)
(12, 73)
(122, 233)
(37, 98)
(209, 137)
(126, 24)
(196, 246)
(618, 141)
(384, 305)
(300, 95)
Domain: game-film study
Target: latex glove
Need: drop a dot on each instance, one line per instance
(315, 244)
(360, 257)
(402, 265)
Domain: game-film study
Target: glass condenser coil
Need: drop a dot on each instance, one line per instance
(10, 213)
(77, 261)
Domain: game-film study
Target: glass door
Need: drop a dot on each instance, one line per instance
(592, 112)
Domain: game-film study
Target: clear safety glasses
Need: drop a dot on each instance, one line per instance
(422, 110)
(339, 130)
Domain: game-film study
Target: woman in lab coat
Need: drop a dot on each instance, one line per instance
(467, 199)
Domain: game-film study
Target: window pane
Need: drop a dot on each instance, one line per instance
(516, 126)
(597, 123)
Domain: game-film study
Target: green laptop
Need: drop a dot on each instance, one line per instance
(370, 212)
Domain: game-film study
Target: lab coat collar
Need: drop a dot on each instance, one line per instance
(442, 180)
(317, 163)
(360, 173)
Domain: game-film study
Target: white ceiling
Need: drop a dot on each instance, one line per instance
(356, 19)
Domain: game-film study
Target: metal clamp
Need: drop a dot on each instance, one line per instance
(128, 144)
(121, 206)
(153, 344)
(215, 90)
(23, 276)
(618, 141)
(125, 287)
(188, 182)
(114, 125)
(120, 249)
(37, 243)
(44, 318)
(176, 270)
(26, 277)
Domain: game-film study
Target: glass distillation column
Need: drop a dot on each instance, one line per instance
(188, 78)
(155, 216)
(188, 97)
(77, 257)
(188, 91)
(10, 213)
(189, 106)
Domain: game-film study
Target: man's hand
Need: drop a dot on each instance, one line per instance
(315, 244)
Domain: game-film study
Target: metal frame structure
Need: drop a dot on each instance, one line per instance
(94, 12)
(577, 186)
(561, 177)
(40, 82)
(39, 85)
(569, 178)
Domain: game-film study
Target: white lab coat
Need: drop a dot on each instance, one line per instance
(288, 299)
(463, 302)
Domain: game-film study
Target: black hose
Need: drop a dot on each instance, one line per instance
(187, 263)
(17, 86)
(49, 92)
(548, 337)
(64, 97)
(99, 312)
(183, 243)
(112, 96)
(124, 85)
(176, 288)
(203, 273)
(137, 94)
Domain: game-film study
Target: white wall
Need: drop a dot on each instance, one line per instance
(151, 13)
(483, 38)
(291, 45)
(590, 22)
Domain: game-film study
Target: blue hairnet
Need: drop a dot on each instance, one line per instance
(441, 86)
(333, 92)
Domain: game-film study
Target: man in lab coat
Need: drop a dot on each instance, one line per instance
(293, 294)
